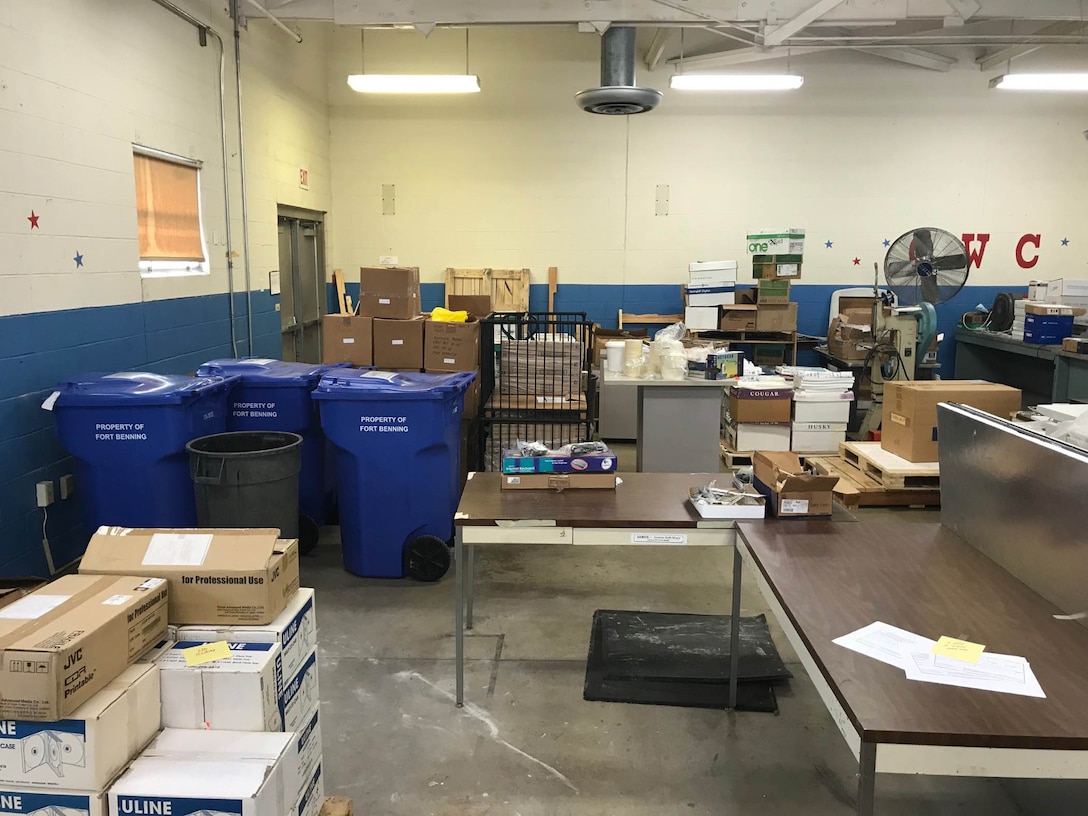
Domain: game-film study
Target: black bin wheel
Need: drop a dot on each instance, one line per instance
(428, 558)
(308, 533)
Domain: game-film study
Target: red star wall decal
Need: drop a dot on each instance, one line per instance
(857, 261)
(33, 219)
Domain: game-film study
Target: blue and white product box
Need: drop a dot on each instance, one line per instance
(310, 800)
(721, 294)
(295, 629)
(298, 696)
(233, 694)
(307, 745)
(161, 786)
(52, 802)
(275, 747)
(604, 462)
(1047, 329)
(84, 751)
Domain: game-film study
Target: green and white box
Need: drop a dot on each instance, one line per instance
(780, 241)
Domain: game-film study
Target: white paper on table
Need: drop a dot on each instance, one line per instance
(1008, 674)
(882, 642)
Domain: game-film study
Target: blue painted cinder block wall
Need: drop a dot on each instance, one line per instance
(176, 336)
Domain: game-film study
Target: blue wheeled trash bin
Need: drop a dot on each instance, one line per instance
(398, 447)
(127, 433)
(273, 395)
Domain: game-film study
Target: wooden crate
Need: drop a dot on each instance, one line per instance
(467, 282)
(891, 471)
(507, 288)
(856, 489)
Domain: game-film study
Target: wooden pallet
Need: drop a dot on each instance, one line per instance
(857, 489)
(336, 806)
(891, 471)
(735, 459)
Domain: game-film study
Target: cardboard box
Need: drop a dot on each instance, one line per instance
(769, 355)
(741, 317)
(389, 291)
(718, 294)
(1065, 289)
(347, 339)
(294, 629)
(774, 318)
(850, 337)
(86, 750)
(790, 492)
(12, 589)
(1076, 345)
(837, 411)
(1047, 330)
(199, 787)
(560, 481)
(307, 746)
(776, 241)
(451, 346)
(513, 462)
(711, 273)
(299, 695)
(722, 365)
(52, 802)
(701, 318)
(909, 419)
(771, 405)
(776, 267)
(215, 576)
(1050, 309)
(750, 437)
(818, 437)
(398, 344)
(65, 642)
(476, 305)
(313, 794)
(773, 292)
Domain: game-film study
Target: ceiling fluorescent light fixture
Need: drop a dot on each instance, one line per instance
(1041, 82)
(414, 83)
(735, 82)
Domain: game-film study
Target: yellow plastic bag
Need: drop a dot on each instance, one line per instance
(440, 315)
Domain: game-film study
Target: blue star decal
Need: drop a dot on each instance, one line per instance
(829, 244)
(1065, 242)
(78, 259)
(887, 243)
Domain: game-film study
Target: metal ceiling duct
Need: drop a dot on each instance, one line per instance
(618, 95)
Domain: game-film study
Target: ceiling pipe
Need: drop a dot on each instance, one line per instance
(242, 177)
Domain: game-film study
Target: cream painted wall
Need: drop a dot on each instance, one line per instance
(81, 81)
(867, 150)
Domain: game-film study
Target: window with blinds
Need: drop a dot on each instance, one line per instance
(168, 215)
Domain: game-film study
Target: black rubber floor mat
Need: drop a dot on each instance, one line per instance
(666, 658)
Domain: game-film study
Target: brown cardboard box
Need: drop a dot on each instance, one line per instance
(12, 589)
(776, 318)
(388, 291)
(776, 266)
(348, 339)
(241, 577)
(848, 343)
(476, 305)
(790, 492)
(67, 641)
(451, 346)
(560, 481)
(773, 292)
(909, 419)
(770, 405)
(398, 344)
(1077, 345)
(741, 317)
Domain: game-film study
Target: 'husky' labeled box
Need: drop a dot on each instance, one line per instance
(193, 787)
(51, 802)
(88, 749)
(295, 629)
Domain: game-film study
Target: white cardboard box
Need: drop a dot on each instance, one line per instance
(52, 802)
(751, 436)
(299, 695)
(295, 629)
(818, 437)
(717, 294)
(313, 794)
(192, 787)
(88, 749)
(823, 411)
(701, 318)
(1062, 290)
(307, 746)
(776, 241)
(234, 694)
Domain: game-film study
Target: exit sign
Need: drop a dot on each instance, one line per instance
(304, 179)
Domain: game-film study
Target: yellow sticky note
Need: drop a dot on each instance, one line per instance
(206, 653)
(958, 649)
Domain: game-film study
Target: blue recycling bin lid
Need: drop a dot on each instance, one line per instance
(135, 388)
(353, 384)
(261, 371)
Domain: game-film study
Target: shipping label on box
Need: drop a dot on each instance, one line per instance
(451, 346)
(167, 786)
(309, 801)
(295, 629)
(776, 241)
(298, 695)
(52, 802)
(238, 693)
(215, 576)
(67, 641)
(86, 750)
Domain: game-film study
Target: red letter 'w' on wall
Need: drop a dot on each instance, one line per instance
(975, 257)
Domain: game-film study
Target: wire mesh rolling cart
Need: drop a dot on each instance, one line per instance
(535, 382)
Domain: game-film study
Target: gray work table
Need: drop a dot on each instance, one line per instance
(1043, 373)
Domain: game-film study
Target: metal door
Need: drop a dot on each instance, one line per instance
(302, 285)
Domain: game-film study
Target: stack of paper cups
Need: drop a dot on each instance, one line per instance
(632, 352)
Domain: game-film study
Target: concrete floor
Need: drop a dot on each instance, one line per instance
(528, 744)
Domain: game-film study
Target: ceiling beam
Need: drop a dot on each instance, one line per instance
(656, 50)
(965, 9)
(781, 33)
(988, 62)
(742, 56)
(913, 56)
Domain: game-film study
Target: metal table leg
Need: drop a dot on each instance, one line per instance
(470, 555)
(459, 615)
(734, 630)
(867, 779)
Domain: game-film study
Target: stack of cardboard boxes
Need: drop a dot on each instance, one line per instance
(759, 416)
(777, 258)
(710, 284)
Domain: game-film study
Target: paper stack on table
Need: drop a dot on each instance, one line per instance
(914, 654)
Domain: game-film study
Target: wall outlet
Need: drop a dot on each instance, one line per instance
(67, 486)
(44, 492)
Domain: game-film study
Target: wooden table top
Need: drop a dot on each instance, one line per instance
(834, 578)
(643, 500)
